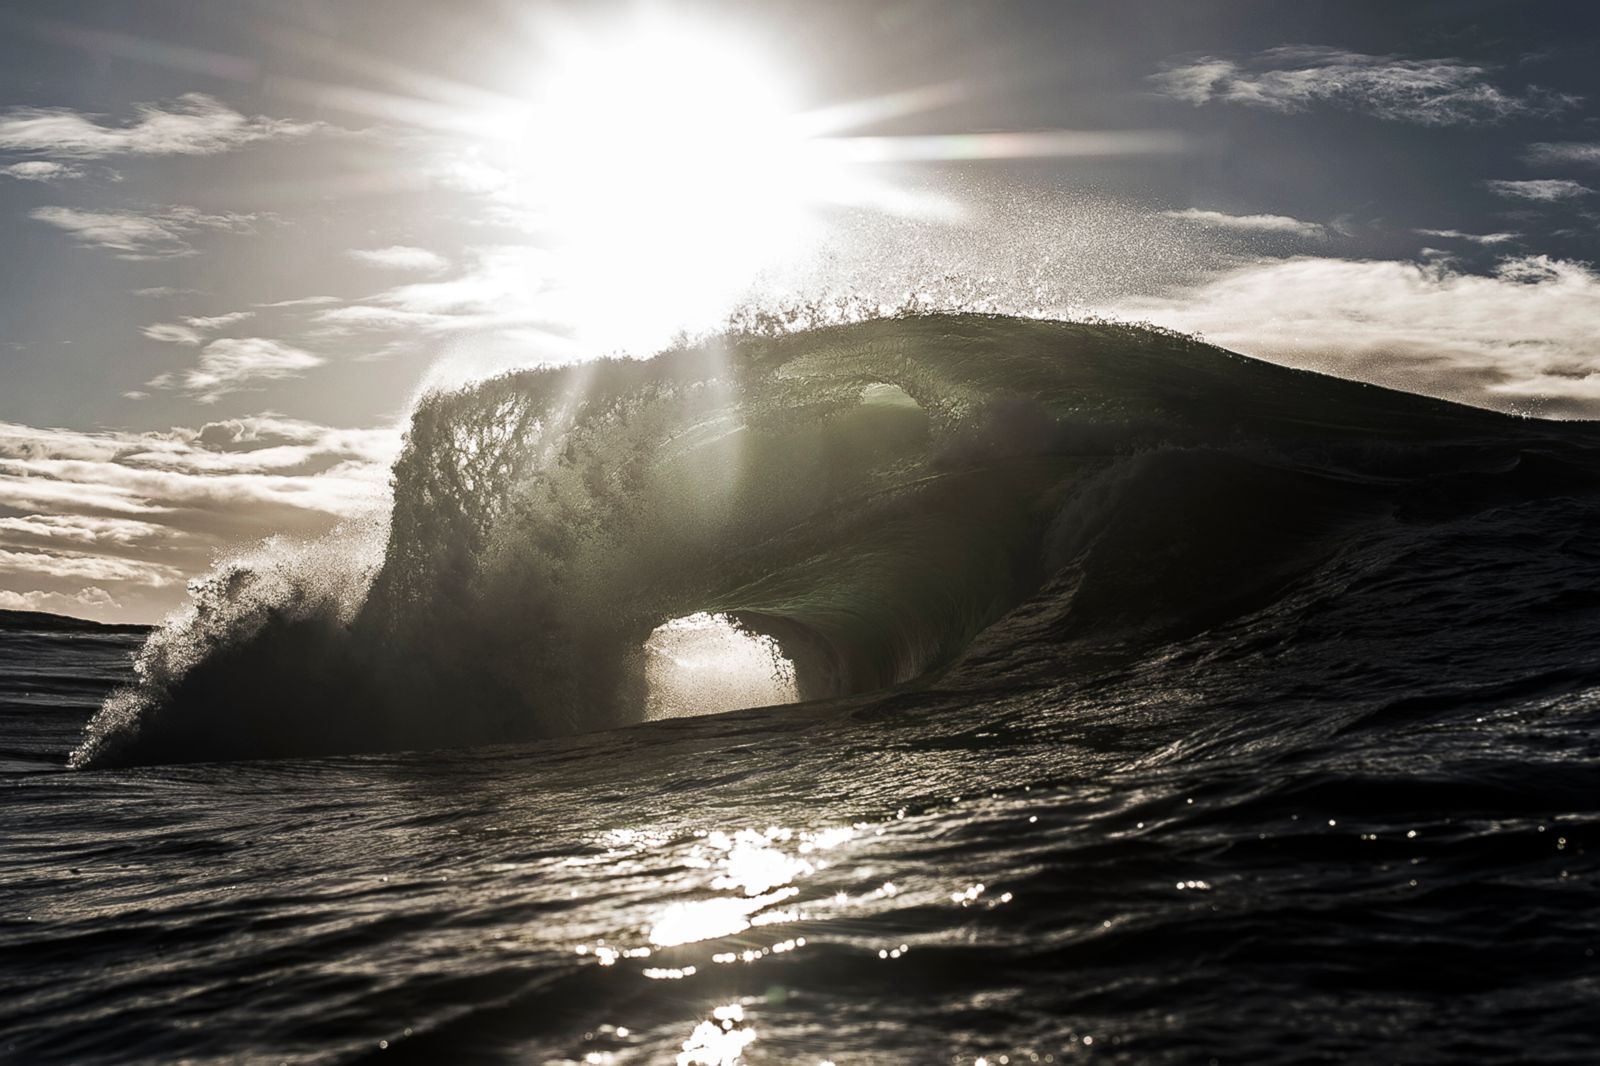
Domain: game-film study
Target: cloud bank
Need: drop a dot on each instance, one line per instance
(109, 524)
(1518, 339)
(1428, 92)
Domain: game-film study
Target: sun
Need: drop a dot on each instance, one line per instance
(670, 170)
(667, 161)
(662, 116)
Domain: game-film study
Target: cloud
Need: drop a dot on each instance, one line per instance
(41, 170)
(170, 333)
(161, 234)
(194, 327)
(1475, 238)
(502, 288)
(1429, 92)
(1255, 223)
(1517, 339)
(466, 170)
(76, 530)
(193, 124)
(78, 566)
(229, 364)
(212, 322)
(354, 317)
(1544, 190)
(1565, 152)
(303, 301)
(499, 277)
(91, 601)
(136, 514)
(263, 443)
(402, 257)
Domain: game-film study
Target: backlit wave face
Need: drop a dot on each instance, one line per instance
(857, 504)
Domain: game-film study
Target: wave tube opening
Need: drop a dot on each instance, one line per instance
(707, 663)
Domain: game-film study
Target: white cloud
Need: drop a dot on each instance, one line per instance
(78, 530)
(499, 277)
(171, 333)
(229, 364)
(41, 170)
(212, 322)
(503, 288)
(1431, 92)
(354, 317)
(91, 601)
(1520, 338)
(507, 292)
(161, 234)
(192, 331)
(264, 443)
(1475, 238)
(193, 124)
(402, 257)
(303, 301)
(78, 566)
(466, 170)
(1283, 224)
(1564, 152)
(1544, 190)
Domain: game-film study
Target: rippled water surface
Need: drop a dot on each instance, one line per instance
(999, 880)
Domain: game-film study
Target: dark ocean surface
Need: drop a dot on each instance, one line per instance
(1275, 739)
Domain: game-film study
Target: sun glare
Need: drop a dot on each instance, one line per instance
(666, 161)
(671, 168)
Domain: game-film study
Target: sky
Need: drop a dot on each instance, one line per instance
(240, 239)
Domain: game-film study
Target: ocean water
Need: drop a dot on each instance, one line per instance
(1161, 707)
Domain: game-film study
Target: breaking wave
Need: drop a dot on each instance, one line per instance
(956, 500)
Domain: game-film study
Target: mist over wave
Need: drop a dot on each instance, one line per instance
(872, 496)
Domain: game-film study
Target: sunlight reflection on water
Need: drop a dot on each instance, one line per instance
(733, 884)
(719, 1040)
(758, 866)
(707, 919)
(752, 872)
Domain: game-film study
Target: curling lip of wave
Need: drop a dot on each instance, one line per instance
(875, 496)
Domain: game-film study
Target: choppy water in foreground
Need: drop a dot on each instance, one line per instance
(1160, 873)
(1233, 715)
